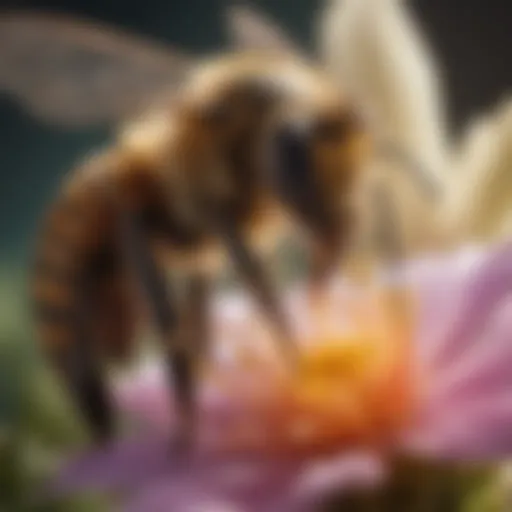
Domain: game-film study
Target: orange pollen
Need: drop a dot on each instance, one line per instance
(350, 389)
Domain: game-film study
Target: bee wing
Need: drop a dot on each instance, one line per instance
(250, 30)
(77, 73)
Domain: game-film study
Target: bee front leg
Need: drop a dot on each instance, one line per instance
(197, 315)
(190, 344)
(253, 273)
(190, 348)
(169, 321)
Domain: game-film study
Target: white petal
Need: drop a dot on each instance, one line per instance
(481, 189)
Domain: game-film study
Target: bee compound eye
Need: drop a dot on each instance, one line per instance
(218, 114)
(328, 130)
(334, 129)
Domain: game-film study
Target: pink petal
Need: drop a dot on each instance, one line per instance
(466, 412)
(491, 282)
(276, 486)
(124, 465)
(485, 367)
(439, 283)
(181, 496)
(358, 470)
(479, 432)
(248, 486)
(132, 465)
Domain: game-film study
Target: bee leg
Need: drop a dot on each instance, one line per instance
(197, 314)
(80, 367)
(253, 273)
(190, 347)
(164, 308)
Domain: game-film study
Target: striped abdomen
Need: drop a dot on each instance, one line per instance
(80, 290)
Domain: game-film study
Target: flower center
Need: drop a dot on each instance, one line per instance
(351, 388)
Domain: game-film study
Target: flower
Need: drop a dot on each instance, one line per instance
(401, 381)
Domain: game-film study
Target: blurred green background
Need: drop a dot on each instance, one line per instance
(469, 38)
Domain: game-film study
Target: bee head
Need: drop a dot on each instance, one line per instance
(318, 148)
(285, 128)
(221, 115)
(227, 101)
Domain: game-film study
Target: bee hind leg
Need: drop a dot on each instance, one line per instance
(191, 344)
(170, 321)
(90, 393)
(80, 369)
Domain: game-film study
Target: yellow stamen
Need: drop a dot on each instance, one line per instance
(350, 389)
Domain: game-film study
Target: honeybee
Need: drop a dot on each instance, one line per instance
(226, 147)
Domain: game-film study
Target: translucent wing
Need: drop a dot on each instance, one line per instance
(250, 30)
(75, 72)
